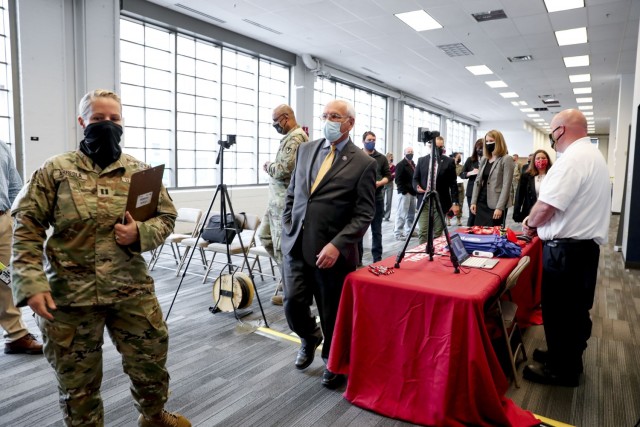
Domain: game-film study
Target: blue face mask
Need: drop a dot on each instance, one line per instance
(370, 146)
(332, 130)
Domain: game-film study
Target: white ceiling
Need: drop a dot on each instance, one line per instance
(365, 37)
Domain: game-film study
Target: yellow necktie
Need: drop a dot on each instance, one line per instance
(324, 167)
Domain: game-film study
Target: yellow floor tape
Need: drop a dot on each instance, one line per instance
(551, 422)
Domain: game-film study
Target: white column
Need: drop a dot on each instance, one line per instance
(618, 147)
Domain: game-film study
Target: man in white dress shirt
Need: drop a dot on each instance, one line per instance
(571, 216)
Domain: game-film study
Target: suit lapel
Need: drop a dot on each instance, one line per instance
(312, 160)
(343, 158)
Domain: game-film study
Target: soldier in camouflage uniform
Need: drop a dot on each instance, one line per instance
(94, 275)
(284, 121)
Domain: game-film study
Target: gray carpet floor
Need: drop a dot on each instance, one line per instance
(225, 373)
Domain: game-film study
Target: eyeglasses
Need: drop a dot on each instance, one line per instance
(334, 117)
(551, 140)
(277, 119)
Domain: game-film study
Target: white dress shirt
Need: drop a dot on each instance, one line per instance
(578, 186)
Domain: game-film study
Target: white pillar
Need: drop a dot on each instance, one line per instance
(618, 146)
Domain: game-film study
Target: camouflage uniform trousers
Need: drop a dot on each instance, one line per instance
(271, 232)
(73, 346)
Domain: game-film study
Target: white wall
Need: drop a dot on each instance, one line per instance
(521, 138)
(618, 149)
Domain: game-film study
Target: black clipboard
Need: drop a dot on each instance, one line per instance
(144, 192)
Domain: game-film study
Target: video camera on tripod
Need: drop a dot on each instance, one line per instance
(425, 135)
(231, 139)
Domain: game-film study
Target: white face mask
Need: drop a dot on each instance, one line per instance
(331, 130)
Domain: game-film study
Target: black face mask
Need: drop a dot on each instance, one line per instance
(278, 128)
(409, 156)
(479, 152)
(491, 147)
(101, 142)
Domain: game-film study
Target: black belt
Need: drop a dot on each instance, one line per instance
(562, 242)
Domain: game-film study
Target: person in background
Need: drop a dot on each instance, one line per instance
(524, 167)
(470, 173)
(16, 335)
(529, 185)
(284, 122)
(388, 189)
(515, 181)
(571, 217)
(383, 177)
(492, 189)
(328, 207)
(457, 157)
(406, 212)
(89, 273)
(446, 185)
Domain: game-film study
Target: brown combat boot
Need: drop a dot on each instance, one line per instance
(25, 345)
(277, 298)
(164, 419)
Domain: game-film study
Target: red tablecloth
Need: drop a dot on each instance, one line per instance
(415, 346)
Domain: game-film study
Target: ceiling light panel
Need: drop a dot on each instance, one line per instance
(538, 120)
(585, 107)
(581, 90)
(496, 83)
(576, 61)
(558, 5)
(584, 100)
(533, 115)
(579, 78)
(572, 36)
(479, 70)
(527, 110)
(419, 20)
(509, 95)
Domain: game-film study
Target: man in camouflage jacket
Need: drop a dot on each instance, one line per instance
(284, 121)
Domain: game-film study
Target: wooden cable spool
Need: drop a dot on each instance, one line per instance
(233, 291)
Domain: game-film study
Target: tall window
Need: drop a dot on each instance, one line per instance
(459, 138)
(415, 118)
(6, 104)
(371, 110)
(182, 95)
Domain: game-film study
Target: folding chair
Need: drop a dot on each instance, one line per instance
(505, 312)
(186, 226)
(257, 252)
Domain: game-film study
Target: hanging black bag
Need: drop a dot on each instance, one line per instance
(214, 233)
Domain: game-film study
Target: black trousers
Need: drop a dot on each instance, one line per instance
(303, 282)
(570, 269)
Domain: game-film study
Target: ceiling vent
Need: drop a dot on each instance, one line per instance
(549, 100)
(540, 109)
(455, 49)
(489, 16)
(197, 12)
(264, 27)
(523, 58)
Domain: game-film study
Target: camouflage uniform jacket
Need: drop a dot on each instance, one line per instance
(281, 169)
(83, 265)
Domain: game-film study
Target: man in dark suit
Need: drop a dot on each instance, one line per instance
(328, 206)
(446, 186)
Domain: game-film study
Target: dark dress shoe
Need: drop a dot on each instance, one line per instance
(331, 380)
(542, 375)
(306, 353)
(540, 355)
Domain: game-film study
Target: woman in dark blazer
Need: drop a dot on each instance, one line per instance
(470, 172)
(529, 186)
(492, 190)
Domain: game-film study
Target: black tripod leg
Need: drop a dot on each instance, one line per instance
(244, 254)
(452, 256)
(402, 252)
(184, 273)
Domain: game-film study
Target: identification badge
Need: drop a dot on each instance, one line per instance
(5, 274)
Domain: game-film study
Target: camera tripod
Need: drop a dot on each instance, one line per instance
(432, 200)
(225, 202)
